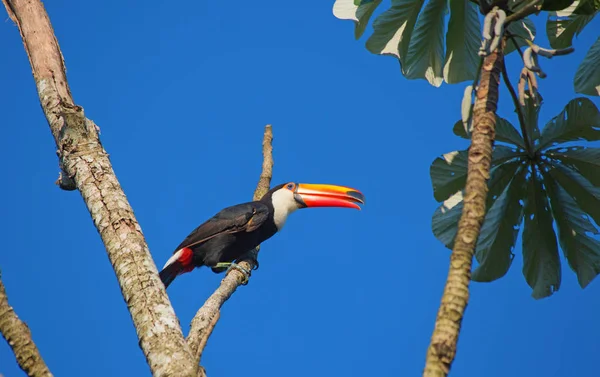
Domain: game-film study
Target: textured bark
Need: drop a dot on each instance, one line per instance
(18, 337)
(442, 348)
(85, 166)
(206, 318)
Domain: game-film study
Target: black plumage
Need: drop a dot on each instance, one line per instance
(226, 236)
(230, 233)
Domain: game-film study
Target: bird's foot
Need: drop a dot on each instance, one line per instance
(234, 266)
(251, 256)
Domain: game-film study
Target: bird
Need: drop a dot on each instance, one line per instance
(234, 231)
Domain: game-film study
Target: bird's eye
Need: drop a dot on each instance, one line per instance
(290, 186)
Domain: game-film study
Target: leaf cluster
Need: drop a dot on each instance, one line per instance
(551, 193)
(415, 32)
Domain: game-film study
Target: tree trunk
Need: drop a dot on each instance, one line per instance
(85, 166)
(18, 337)
(442, 348)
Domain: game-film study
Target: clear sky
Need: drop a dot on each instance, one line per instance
(181, 92)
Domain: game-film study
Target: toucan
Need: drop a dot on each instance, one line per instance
(236, 230)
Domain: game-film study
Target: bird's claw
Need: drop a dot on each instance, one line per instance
(245, 272)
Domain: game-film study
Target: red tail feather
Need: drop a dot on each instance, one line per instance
(179, 263)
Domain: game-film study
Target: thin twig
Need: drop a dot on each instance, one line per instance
(18, 337)
(207, 316)
(527, 10)
(515, 99)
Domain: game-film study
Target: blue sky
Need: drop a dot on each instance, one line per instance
(181, 93)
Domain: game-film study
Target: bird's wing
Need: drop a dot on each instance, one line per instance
(244, 217)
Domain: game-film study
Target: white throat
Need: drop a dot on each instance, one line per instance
(283, 205)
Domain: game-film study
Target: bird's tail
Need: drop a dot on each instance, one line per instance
(179, 263)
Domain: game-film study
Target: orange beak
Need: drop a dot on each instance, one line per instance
(320, 195)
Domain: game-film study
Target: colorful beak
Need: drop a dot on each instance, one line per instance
(319, 195)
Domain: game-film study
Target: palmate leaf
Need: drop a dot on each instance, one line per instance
(415, 35)
(500, 230)
(462, 42)
(359, 13)
(505, 132)
(562, 26)
(449, 172)
(580, 120)
(559, 185)
(587, 77)
(444, 222)
(581, 250)
(584, 160)
(541, 263)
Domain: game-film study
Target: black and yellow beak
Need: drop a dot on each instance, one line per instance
(321, 195)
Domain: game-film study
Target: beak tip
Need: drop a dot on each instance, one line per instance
(356, 195)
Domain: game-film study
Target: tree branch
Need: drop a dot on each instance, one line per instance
(527, 10)
(85, 165)
(518, 108)
(18, 337)
(206, 318)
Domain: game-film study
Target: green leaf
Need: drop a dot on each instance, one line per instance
(505, 132)
(444, 222)
(356, 10)
(449, 172)
(564, 25)
(392, 30)
(522, 29)
(584, 160)
(541, 263)
(500, 230)
(579, 120)
(462, 42)
(554, 5)
(587, 77)
(426, 49)
(581, 250)
(581, 190)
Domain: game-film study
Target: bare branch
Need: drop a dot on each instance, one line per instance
(85, 163)
(206, 318)
(18, 337)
